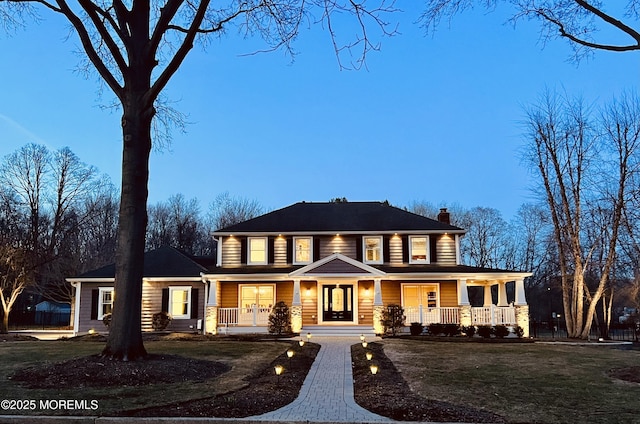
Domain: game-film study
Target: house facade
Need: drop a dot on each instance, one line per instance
(336, 265)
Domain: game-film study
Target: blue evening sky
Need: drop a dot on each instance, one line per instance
(435, 118)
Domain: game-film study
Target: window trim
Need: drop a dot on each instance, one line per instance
(101, 291)
(172, 290)
(427, 258)
(256, 286)
(295, 250)
(419, 285)
(266, 251)
(380, 248)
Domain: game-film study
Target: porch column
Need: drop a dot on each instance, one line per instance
(502, 294)
(488, 300)
(521, 298)
(211, 311)
(378, 307)
(463, 303)
(463, 293)
(296, 308)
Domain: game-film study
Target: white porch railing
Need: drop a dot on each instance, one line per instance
(426, 316)
(493, 315)
(490, 315)
(255, 316)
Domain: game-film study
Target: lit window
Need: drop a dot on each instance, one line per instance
(262, 297)
(105, 301)
(372, 250)
(419, 249)
(303, 250)
(180, 302)
(257, 251)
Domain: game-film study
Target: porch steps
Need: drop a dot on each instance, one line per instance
(337, 331)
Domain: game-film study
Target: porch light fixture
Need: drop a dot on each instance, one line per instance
(361, 337)
(374, 369)
(308, 292)
(369, 356)
(364, 344)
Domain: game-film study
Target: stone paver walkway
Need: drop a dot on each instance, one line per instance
(327, 392)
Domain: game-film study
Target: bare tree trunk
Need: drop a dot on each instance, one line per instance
(125, 339)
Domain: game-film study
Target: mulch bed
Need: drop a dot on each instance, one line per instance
(387, 394)
(265, 391)
(97, 371)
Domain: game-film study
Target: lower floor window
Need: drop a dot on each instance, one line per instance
(105, 301)
(254, 295)
(180, 302)
(416, 295)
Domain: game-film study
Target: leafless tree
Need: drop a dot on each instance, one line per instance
(585, 165)
(41, 207)
(588, 25)
(177, 223)
(137, 47)
(227, 210)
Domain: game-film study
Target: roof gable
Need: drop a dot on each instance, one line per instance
(162, 262)
(337, 264)
(343, 217)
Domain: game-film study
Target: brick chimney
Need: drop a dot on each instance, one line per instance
(444, 216)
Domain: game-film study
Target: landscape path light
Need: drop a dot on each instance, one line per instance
(308, 336)
(374, 369)
(290, 354)
(369, 356)
(301, 342)
(361, 337)
(365, 344)
(279, 369)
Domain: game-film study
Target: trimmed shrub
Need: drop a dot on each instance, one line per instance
(518, 331)
(106, 320)
(485, 331)
(393, 319)
(436, 329)
(469, 331)
(160, 320)
(416, 328)
(451, 330)
(280, 319)
(501, 331)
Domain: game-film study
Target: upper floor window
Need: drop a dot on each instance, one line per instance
(418, 249)
(105, 301)
(180, 302)
(372, 250)
(303, 250)
(257, 254)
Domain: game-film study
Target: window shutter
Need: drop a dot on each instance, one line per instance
(289, 250)
(243, 250)
(271, 247)
(95, 293)
(194, 303)
(433, 249)
(165, 300)
(316, 249)
(386, 249)
(405, 249)
(359, 248)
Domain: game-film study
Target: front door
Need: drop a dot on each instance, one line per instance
(337, 302)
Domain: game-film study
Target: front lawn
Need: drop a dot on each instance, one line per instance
(243, 359)
(523, 383)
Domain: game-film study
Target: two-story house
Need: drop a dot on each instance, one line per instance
(336, 265)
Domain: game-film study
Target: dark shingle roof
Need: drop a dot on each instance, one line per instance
(162, 262)
(344, 217)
